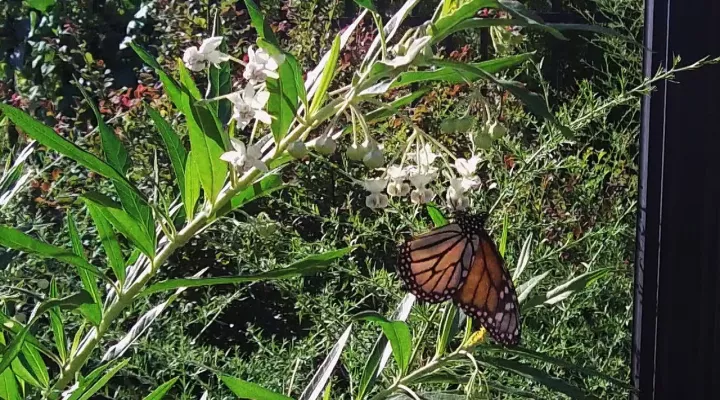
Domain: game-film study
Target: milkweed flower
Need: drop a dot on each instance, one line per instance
(376, 199)
(424, 157)
(419, 179)
(197, 59)
(455, 194)
(261, 65)
(374, 158)
(466, 169)
(325, 144)
(396, 185)
(243, 158)
(248, 105)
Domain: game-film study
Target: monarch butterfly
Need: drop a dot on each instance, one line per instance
(459, 261)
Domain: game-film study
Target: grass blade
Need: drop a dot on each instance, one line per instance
(247, 390)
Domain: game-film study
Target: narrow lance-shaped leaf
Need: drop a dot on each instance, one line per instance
(187, 81)
(284, 92)
(14, 239)
(117, 156)
(123, 222)
(8, 384)
(519, 11)
(15, 346)
(257, 20)
(174, 147)
(326, 76)
(467, 10)
(367, 4)
(30, 367)
(93, 312)
(322, 375)
(192, 186)
(391, 108)
(49, 138)
(161, 390)
(533, 101)
(267, 185)
(308, 265)
(108, 240)
(10, 325)
(382, 350)
(398, 335)
(103, 380)
(207, 146)
(56, 324)
(220, 80)
(447, 325)
(247, 390)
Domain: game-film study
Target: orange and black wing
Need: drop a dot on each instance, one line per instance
(434, 265)
(488, 294)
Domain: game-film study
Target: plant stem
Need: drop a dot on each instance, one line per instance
(123, 300)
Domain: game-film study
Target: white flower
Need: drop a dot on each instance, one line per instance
(261, 65)
(424, 157)
(395, 173)
(422, 179)
(466, 169)
(376, 199)
(455, 195)
(422, 195)
(197, 59)
(244, 158)
(248, 105)
(398, 188)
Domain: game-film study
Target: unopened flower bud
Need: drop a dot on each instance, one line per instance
(355, 152)
(463, 124)
(496, 130)
(374, 158)
(482, 140)
(297, 149)
(325, 145)
(448, 126)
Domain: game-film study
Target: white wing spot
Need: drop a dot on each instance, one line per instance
(509, 306)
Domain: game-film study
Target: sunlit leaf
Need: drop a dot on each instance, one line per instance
(326, 76)
(88, 280)
(397, 333)
(174, 146)
(251, 391)
(100, 383)
(161, 390)
(450, 75)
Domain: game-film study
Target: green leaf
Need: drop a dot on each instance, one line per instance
(533, 101)
(377, 359)
(323, 373)
(519, 11)
(8, 385)
(536, 375)
(437, 216)
(297, 72)
(397, 333)
(16, 345)
(391, 108)
(468, 10)
(109, 241)
(561, 363)
(87, 279)
(567, 289)
(161, 390)
(14, 239)
(307, 265)
(122, 221)
(47, 137)
(326, 77)
(257, 20)
(30, 367)
(284, 94)
(450, 75)
(187, 81)
(448, 323)
(103, 380)
(115, 153)
(10, 325)
(206, 142)
(192, 186)
(56, 324)
(264, 187)
(367, 4)
(40, 5)
(247, 390)
(174, 146)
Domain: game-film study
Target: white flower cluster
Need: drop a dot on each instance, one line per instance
(421, 175)
(249, 102)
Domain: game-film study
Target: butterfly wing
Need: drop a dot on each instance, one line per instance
(488, 294)
(434, 265)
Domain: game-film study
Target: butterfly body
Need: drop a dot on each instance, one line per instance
(459, 261)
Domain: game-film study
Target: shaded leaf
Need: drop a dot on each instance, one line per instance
(450, 75)
(100, 383)
(108, 240)
(264, 187)
(174, 147)
(322, 374)
(307, 265)
(93, 311)
(367, 4)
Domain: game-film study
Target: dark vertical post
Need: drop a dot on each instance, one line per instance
(676, 335)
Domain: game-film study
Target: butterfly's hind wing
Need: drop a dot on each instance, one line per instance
(488, 294)
(433, 266)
